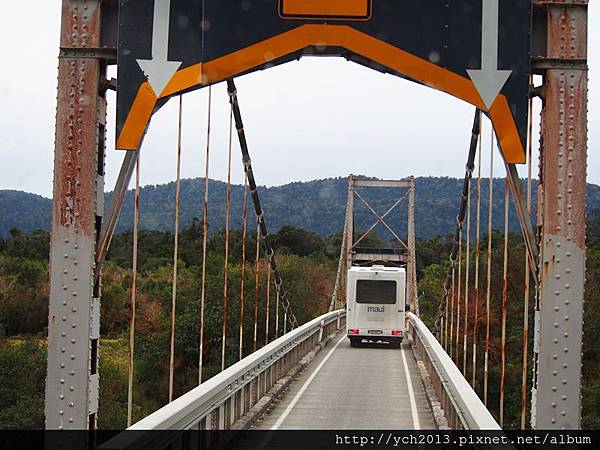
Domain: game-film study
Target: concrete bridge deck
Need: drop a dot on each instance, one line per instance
(374, 387)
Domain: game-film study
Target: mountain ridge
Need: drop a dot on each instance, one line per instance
(316, 206)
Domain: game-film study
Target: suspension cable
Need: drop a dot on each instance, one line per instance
(256, 287)
(243, 281)
(204, 240)
(459, 220)
(489, 272)
(276, 310)
(175, 255)
(451, 346)
(467, 272)
(288, 313)
(504, 300)
(458, 286)
(268, 305)
(527, 273)
(226, 263)
(134, 270)
(477, 252)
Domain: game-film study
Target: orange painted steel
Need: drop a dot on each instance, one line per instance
(247, 59)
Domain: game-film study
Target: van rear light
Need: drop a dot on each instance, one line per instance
(352, 331)
(396, 333)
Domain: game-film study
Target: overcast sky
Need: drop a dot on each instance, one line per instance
(314, 118)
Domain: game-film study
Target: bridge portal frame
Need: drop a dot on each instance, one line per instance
(410, 258)
(80, 240)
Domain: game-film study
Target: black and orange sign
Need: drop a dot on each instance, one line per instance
(325, 9)
(475, 50)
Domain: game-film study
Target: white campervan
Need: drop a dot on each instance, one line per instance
(375, 304)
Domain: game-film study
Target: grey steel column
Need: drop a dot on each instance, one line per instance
(73, 329)
(412, 261)
(350, 223)
(556, 399)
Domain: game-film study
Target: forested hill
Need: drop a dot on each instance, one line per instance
(316, 206)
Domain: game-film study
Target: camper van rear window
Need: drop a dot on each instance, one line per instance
(376, 292)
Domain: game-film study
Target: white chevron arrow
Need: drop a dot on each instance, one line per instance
(489, 81)
(159, 70)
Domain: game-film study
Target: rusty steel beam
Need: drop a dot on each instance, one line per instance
(74, 307)
(556, 393)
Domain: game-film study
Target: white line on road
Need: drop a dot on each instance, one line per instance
(305, 386)
(411, 394)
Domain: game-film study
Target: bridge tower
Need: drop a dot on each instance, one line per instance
(405, 253)
(560, 35)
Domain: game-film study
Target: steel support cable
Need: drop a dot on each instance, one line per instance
(527, 273)
(458, 287)
(467, 273)
(461, 215)
(489, 272)
(256, 287)
(450, 347)
(477, 255)
(175, 255)
(504, 301)
(288, 313)
(226, 263)
(204, 240)
(243, 275)
(134, 270)
(276, 310)
(336, 287)
(268, 304)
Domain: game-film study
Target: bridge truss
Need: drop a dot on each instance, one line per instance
(81, 234)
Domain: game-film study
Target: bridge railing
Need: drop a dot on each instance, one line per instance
(461, 405)
(232, 399)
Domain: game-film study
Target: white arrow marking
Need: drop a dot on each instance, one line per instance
(489, 81)
(159, 70)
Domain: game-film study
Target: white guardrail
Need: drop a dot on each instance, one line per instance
(461, 404)
(222, 402)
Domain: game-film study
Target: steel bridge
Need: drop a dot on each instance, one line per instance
(309, 377)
